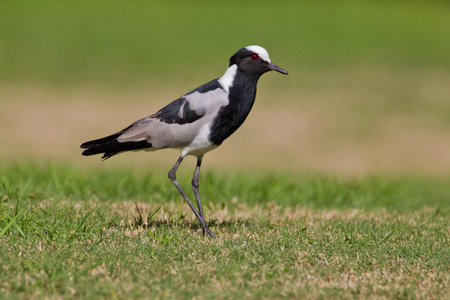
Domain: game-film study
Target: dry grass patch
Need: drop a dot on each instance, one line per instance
(313, 253)
(262, 251)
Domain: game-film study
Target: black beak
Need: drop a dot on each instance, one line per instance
(274, 67)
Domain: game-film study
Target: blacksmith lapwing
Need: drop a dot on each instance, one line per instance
(197, 122)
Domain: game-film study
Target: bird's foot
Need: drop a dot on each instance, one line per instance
(208, 232)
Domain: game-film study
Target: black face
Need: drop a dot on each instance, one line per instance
(250, 62)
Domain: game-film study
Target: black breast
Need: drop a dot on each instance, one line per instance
(241, 97)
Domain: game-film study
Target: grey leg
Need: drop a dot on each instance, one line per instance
(195, 185)
(173, 179)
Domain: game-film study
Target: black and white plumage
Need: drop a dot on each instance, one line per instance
(197, 122)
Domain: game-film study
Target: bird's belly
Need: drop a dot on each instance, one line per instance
(200, 144)
(198, 151)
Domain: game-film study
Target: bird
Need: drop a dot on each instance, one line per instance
(197, 122)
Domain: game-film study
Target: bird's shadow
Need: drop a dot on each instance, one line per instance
(194, 225)
(149, 222)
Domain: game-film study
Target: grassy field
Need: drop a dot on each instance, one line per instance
(346, 196)
(70, 232)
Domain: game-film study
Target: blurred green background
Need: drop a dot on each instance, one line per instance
(368, 88)
(85, 42)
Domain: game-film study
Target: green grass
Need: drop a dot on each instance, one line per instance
(137, 42)
(115, 233)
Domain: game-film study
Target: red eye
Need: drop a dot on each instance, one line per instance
(255, 56)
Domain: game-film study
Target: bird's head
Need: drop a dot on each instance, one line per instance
(254, 60)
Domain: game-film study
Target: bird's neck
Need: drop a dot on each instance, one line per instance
(233, 77)
(227, 79)
(241, 90)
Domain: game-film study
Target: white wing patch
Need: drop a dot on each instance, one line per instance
(207, 103)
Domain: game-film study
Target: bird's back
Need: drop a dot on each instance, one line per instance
(176, 125)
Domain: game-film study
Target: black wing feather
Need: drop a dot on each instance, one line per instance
(179, 111)
(110, 146)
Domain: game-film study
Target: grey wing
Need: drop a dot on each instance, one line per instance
(178, 123)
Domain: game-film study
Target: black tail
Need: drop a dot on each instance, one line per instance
(110, 146)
